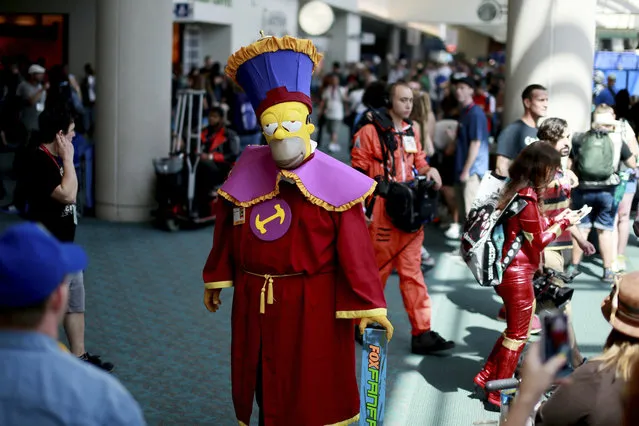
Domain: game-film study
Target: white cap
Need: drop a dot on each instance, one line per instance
(604, 119)
(36, 69)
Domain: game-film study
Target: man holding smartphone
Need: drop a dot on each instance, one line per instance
(51, 187)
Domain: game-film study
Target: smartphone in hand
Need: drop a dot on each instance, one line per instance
(555, 339)
(584, 211)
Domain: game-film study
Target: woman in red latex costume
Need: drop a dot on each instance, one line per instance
(530, 174)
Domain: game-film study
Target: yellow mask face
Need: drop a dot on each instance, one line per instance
(287, 133)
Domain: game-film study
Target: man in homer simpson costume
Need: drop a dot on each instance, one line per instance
(292, 240)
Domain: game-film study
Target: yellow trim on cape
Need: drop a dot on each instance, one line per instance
(377, 312)
(350, 421)
(269, 45)
(347, 422)
(298, 182)
(218, 284)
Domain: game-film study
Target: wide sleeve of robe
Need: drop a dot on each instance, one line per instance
(219, 268)
(360, 292)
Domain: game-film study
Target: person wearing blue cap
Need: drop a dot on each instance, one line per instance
(41, 384)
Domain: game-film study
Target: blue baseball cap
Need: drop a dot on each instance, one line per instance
(33, 263)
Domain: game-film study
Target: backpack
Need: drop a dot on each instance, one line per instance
(483, 237)
(244, 118)
(595, 160)
(409, 205)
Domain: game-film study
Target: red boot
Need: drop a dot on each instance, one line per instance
(486, 374)
(506, 361)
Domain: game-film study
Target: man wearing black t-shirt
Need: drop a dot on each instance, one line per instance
(51, 187)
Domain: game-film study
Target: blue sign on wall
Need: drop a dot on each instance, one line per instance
(182, 10)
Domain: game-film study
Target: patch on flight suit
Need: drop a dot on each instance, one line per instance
(239, 216)
(357, 144)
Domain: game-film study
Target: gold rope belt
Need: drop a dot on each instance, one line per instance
(268, 279)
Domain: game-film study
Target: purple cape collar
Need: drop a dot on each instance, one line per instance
(323, 180)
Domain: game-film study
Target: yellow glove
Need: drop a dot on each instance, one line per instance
(381, 320)
(212, 299)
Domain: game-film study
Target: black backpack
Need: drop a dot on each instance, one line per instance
(408, 204)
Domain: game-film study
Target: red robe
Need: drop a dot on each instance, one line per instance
(304, 338)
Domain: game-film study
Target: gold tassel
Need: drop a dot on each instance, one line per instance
(262, 304)
(270, 291)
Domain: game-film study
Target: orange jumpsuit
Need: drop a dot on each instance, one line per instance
(396, 249)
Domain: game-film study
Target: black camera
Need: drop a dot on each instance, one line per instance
(549, 294)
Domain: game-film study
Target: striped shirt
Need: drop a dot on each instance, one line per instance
(556, 199)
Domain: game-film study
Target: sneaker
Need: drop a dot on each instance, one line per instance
(95, 360)
(334, 147)
(619, 265)
(572, 271)
(429, 342)
(535, 327)
(608, 276)
(453, 232)
(428, 261)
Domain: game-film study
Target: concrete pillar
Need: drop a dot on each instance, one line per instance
(133, 67)
(345, 38)
(551, 42)
(394, 43)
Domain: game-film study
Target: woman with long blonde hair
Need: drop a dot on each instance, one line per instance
(424, 120)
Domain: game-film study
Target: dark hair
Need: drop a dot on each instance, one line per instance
(27, 317)
(534, 168)
(552, 130)
(528, 91)
(217, 110)
(53, 120)
(394, 86)
(375, 95)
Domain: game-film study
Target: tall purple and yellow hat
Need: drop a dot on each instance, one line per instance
(274, 70)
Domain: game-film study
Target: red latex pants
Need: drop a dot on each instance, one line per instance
(517, 292)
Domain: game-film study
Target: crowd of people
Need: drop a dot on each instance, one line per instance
(413, 127)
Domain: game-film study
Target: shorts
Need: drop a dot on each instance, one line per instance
(554, 259)
(333, 126)
(631, 186)
(603, 206)
(76, 294)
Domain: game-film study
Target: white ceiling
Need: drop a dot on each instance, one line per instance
(611, 14)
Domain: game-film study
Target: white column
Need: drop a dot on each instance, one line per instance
(394, 42)
(133, 68)
(354, 40)
(345, 38)
(551, 42)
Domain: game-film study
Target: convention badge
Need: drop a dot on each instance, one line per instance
(373, 377)
(238, 216)
(410, 145)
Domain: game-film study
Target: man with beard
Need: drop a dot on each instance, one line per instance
(557, 199)
(516, 136)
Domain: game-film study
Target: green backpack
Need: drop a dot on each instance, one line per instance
(595, 161)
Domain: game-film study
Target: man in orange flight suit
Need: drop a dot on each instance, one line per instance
(396, 249)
